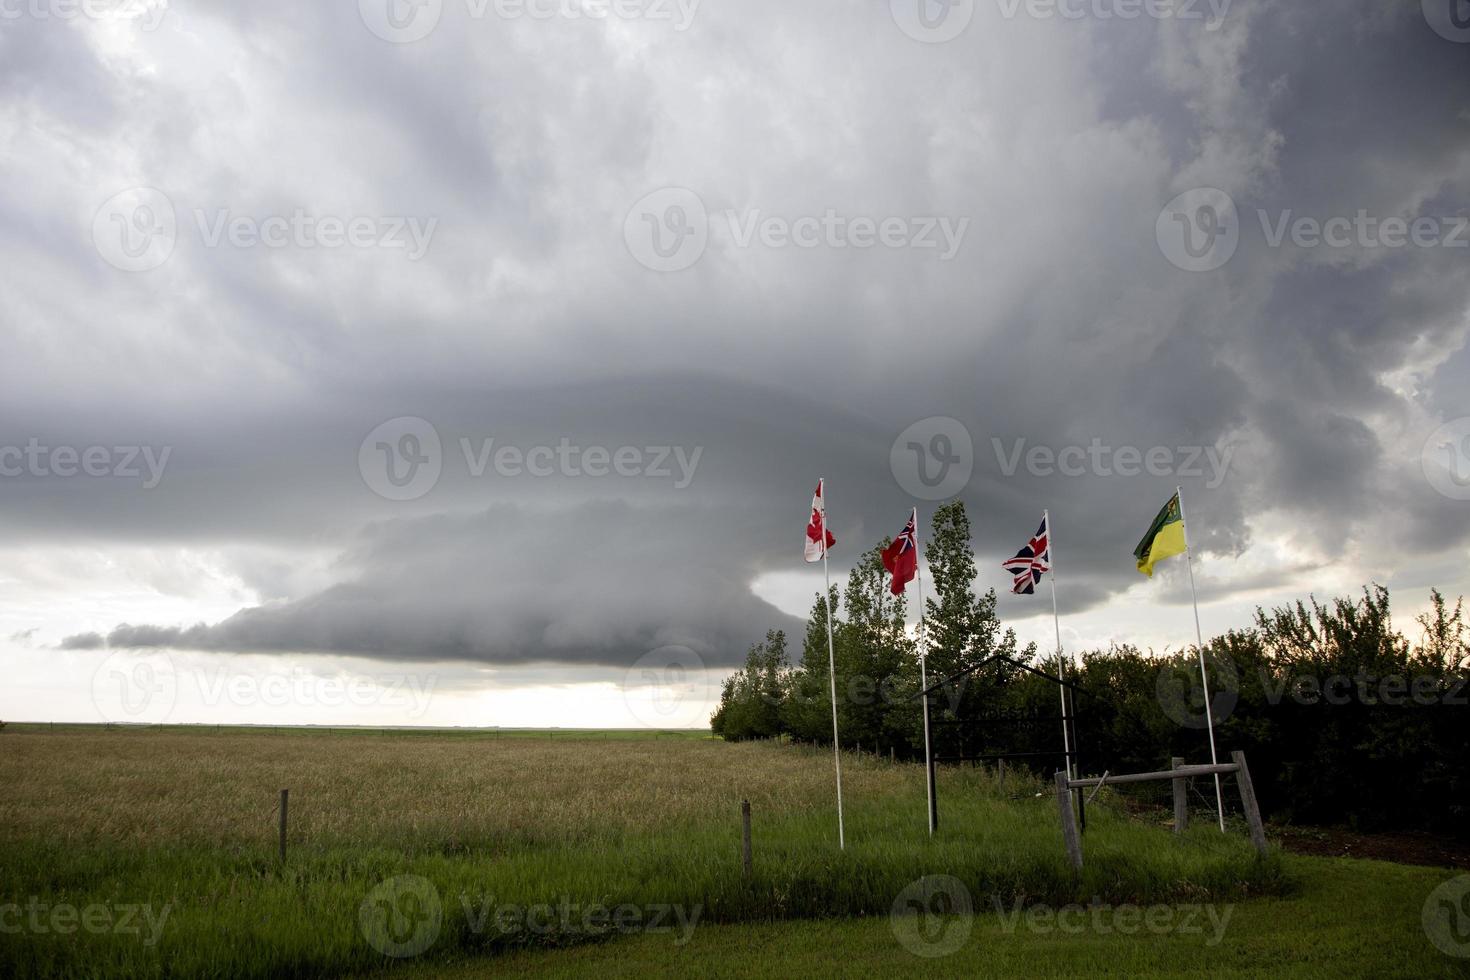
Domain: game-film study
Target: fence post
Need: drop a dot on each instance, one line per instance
(1248, 801)
(285, 794)
(1069, 822)
(1181, 798)
(1000, 773)
(745, 837)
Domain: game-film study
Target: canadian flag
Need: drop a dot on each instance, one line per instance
(901, 558)
(816, 529)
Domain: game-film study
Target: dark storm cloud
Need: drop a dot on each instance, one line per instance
(1058, 324)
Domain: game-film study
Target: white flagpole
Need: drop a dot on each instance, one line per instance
(832, 670)
(1051, 548)
(924, 671)
(1204, 678)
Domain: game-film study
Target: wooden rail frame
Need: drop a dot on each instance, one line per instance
(1178, 775)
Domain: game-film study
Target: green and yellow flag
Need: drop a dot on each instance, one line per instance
(1165, 538)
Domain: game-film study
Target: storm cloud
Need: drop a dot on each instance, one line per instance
(535, 318)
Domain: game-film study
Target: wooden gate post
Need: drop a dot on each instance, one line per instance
(745, 856)
(1248, 802)
(1069, 822)
(285, 794)
(1181, 799)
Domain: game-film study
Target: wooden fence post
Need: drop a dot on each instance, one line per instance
(1000, 773)
(745, 837)
(1181, 799)
(285, 794)
(1069, 822)
(1248, 801)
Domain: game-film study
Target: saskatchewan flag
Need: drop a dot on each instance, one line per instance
(1165, 538)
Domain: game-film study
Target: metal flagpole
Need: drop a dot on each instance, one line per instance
(832, 670)
(1061, 668)
(1204, 678)
(924, 680)
(1069, 761)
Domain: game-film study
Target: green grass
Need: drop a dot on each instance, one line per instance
(185, 820)
(1348, 918)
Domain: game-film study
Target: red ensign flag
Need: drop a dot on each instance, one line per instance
(901, 558)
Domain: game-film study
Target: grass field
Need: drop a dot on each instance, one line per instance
(456, 851)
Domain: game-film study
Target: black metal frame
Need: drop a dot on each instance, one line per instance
(1068, 718)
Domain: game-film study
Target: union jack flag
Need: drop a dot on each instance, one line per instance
(1030, 563)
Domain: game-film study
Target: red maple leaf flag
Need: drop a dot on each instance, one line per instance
(901, 558)
(818, 538)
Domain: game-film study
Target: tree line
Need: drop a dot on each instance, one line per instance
(1346, 720)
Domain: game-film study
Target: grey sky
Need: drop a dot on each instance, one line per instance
(515, 149)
